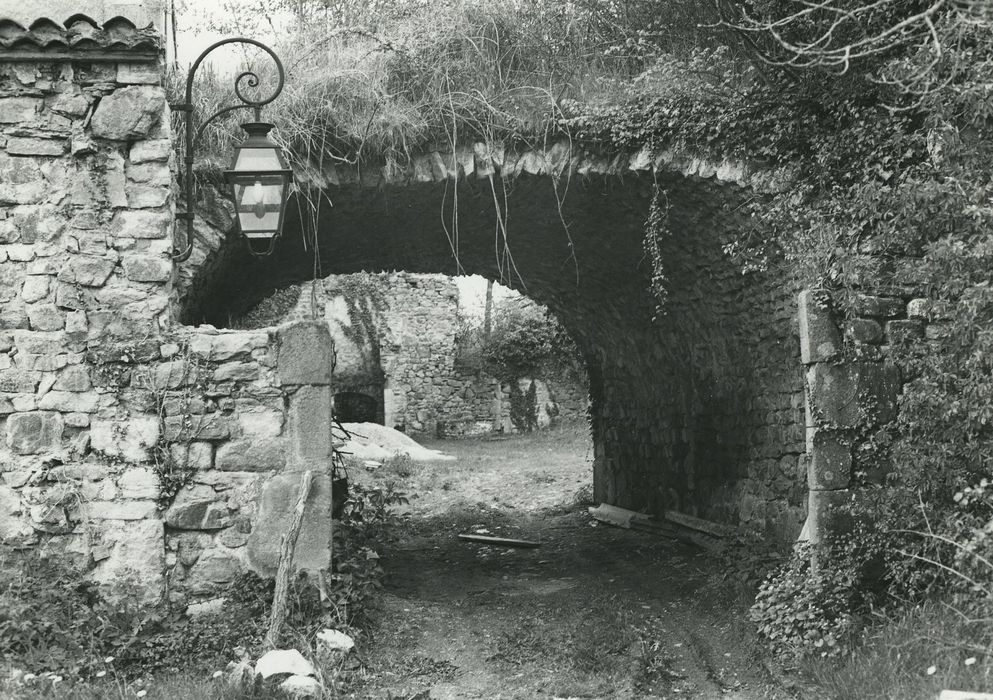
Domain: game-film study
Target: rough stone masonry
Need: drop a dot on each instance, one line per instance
(143, 450)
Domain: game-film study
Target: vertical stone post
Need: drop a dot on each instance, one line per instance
(844, 397)
(831, 407)
(305, 361)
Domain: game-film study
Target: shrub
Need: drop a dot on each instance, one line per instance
(525, 341)
(800, 610)
(357, 575)
(524, 407)
(49, 616)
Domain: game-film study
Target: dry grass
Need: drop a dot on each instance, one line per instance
(521, 471)
(187, 687)
(445, 74)
(913, 656)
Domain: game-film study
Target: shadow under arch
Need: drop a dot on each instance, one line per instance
(699, 410)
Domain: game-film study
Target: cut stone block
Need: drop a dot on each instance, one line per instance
(833, 393)
(209, 426)
(139, 483)
(830, 464)
(865, 331)
(881, 307)
(819, 337)
(69, 402)
(213, 569)
(128, 113)
(306, 353)
(136, 555)
(13, 381)
(193, 455)
(35, 288)
(852, 394)
(147, 268)
(197, 508)
(150, 151)
(45, 317)
(34, 432)
(87, 271)
(14, 526)
(19, 110)
(237, 372)
(310, 414)
(141, 223)
(24, 146)
(74, 378)
(827, 515)
(127, 439)
(279, 497)
(258, 454)
(227, 346)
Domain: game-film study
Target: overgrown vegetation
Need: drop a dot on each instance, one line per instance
(52, 619)
(525, 340)
(891, 193)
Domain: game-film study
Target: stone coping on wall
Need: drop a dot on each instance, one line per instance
(560, 159)
(79, 37)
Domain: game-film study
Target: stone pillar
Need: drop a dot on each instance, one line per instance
(843, 396)
(830, 390)
(304, 365)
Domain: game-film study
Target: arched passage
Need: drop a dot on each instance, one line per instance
(700, 410)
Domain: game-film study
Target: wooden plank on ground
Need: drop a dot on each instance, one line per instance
(499, 541)
(671, 528)
(694, 523)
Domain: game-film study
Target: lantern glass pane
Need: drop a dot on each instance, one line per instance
(259, 202)
(257, 159)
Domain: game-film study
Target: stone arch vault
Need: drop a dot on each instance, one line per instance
(699, 410)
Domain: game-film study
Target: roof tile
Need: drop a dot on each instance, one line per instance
(79, 35)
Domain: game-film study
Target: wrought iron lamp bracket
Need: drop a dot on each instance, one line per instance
(251, 80)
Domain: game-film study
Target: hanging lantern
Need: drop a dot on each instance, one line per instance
(260, 182)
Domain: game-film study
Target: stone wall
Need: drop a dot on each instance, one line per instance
(143, 450)
(395, 336)
(86, 207)
(169, 481)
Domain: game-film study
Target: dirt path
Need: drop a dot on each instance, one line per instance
(594, 612)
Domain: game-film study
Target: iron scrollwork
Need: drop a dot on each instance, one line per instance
(249, 79)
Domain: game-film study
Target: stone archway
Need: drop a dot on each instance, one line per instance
(700, 409)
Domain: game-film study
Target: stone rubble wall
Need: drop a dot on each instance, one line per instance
(86, 206)
(699, 408)
(400, 329)
(706, 414)
(144, 451)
